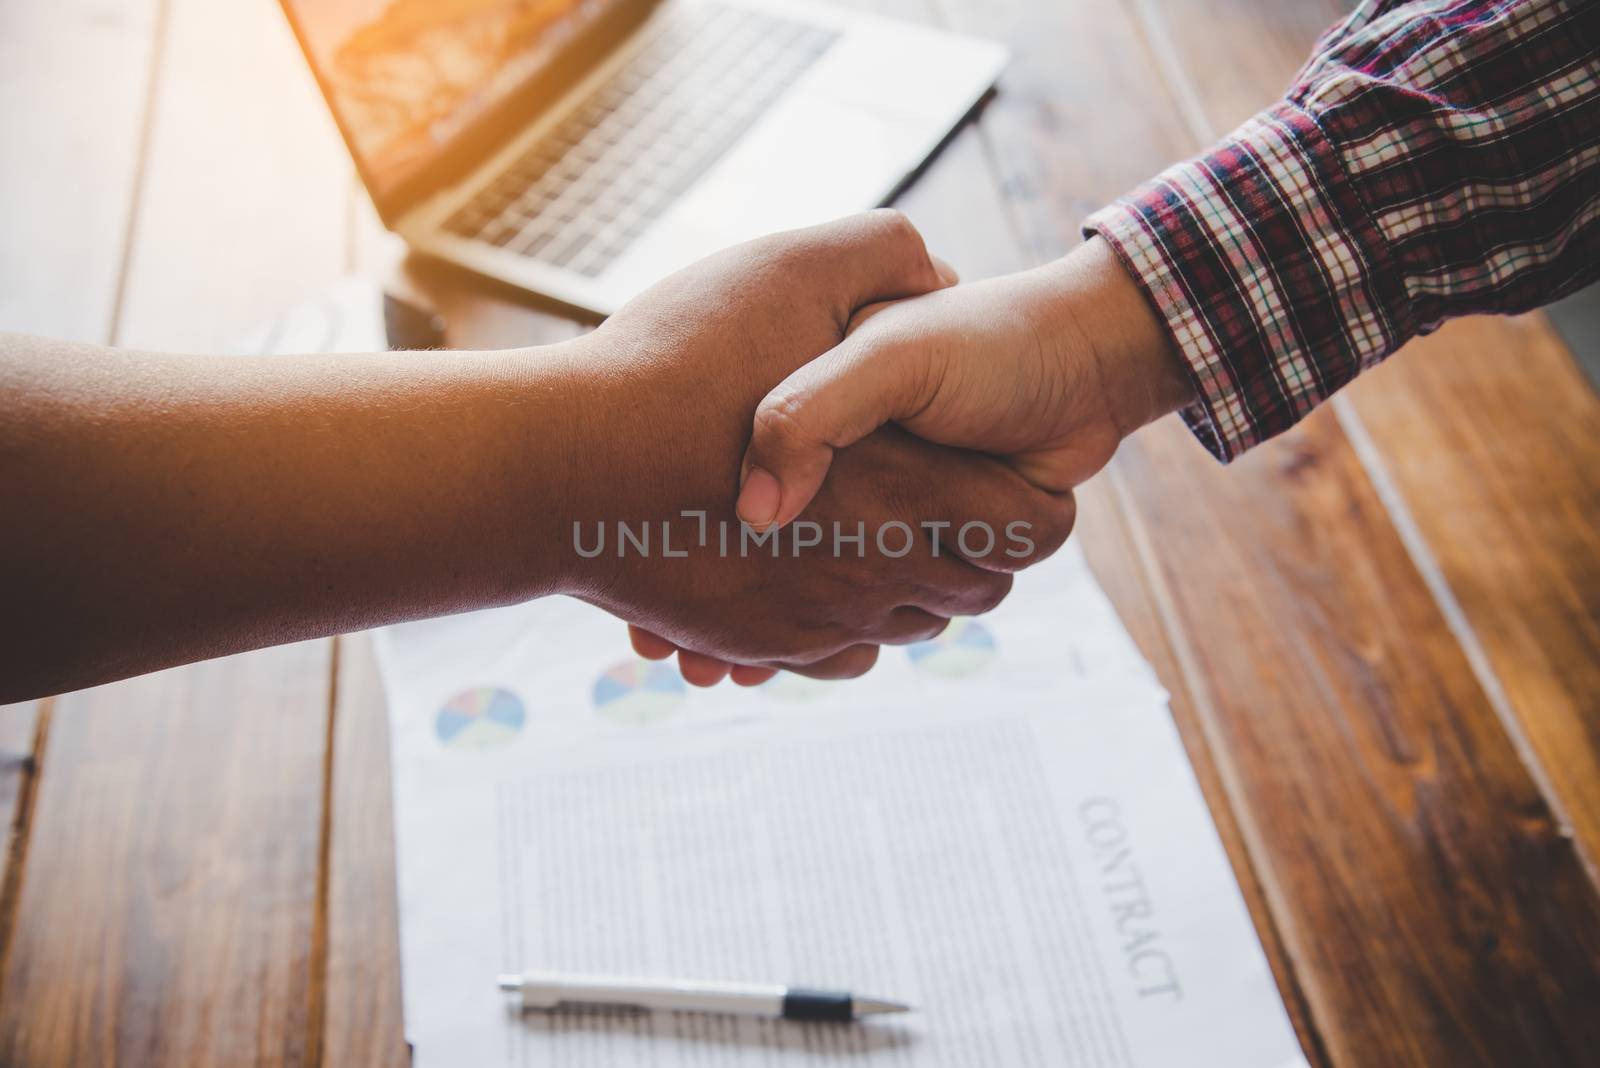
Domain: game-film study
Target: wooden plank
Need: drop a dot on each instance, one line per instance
(73, 87)
(1058, 96)
(245, 207)
(165, 913)
(1492, 436)
(1489, 432)
(20, 728)
(1430, 904)
(1106, 530)
(1435, 911)
(363, 1023)
(168, 909)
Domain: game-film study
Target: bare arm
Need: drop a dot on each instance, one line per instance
(162, 509)
(168, 508)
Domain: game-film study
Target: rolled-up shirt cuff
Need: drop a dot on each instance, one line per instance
(1267, 272)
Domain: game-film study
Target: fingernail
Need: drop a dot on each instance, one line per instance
(758, 498)
(946, 272)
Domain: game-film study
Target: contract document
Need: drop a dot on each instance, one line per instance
(999, 827)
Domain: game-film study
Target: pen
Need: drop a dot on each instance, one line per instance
(552, 990)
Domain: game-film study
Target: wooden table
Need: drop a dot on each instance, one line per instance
(1382, 632)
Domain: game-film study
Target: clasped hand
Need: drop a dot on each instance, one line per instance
(866, 392)
(901, 443)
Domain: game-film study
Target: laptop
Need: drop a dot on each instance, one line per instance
(584, 149)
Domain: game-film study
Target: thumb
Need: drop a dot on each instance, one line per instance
(830, 403)
(869, 259)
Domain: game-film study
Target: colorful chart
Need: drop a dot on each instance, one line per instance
(965, 648)
(484, 717)
(636, 692)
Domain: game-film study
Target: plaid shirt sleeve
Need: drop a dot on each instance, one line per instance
(1434, 158)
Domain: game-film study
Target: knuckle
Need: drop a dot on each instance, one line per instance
(902, 498)
(908, 491)
(858, 661)
(897, 227)
(1057, 518)
(817, 649)
(779, 419)
(847, 663)
(894, 221)
(1049, 521)
(991, 593)
(907, 625)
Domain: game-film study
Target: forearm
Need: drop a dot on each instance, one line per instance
(163, 509)
(1432, 160)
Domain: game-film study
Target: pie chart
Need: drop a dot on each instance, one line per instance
(636, 692)
(484, 717)
(965, 648)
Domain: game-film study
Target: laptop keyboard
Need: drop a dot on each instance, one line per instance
(585, 190)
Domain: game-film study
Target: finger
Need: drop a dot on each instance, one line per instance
(1028, 541)
(970, 508)
(1000, 521)
(864, 258)
(648, 645)
(700, 670)
(830, 403)
(744, 675)
(845, 664)
(962, 589)
(909, 624)
(841, 397)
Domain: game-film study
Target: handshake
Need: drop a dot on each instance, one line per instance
(894, 445)
(780, 458)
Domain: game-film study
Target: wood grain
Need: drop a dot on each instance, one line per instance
(363, 1024)
(1488, 431)
(245, 207)
(1414, 868)
(21, 726)
(1109, 533)
(1412, 863)
(166, 908)
(18, 727)
(74, 76)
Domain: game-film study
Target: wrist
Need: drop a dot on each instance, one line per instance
(1142, 374)
(629, 457)
(554, 463)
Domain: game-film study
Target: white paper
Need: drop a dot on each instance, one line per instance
(1001, 829)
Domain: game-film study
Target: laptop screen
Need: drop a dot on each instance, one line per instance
(407, 78)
